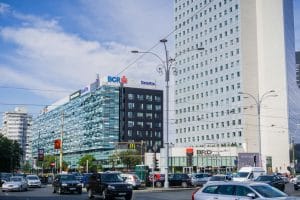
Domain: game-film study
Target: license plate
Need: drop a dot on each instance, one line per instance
(122, 193)
(72, 188)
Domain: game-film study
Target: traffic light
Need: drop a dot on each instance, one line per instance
(57, 144)
(156, 165)
(254, 160)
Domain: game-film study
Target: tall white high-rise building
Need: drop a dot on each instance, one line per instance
(17, 126)
(248, 64)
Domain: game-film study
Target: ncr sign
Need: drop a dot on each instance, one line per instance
(116, 79)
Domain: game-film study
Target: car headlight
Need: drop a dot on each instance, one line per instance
(78, 184)
(110, 187)
(64, 184)
(129, 186)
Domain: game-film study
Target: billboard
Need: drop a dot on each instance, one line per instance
(248, 159)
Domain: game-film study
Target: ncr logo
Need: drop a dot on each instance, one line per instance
(116, 79)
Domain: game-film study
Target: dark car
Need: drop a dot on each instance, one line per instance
(85, 178)
(272, 180)
(66, 183)
(297, 183)
(108, 185)
(179, 179)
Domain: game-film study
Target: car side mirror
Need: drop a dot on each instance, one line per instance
(124, 178)
(251, 195)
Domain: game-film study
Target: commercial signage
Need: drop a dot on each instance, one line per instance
(189, 156)
(75, 94)
(204, 152)
(248, 159)
(148, 83)
(116, 79)
(40, 154)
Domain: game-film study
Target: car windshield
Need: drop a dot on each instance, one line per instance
(264, 178)
(242, 174)
(217, 178)
(67, 178)
(32, 178)
(198, 175)
(268, 191)
(112, 178)
(15, 179)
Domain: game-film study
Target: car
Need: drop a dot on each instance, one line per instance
(272, 180)
(219, 177)
(249, 173)
(15, 183)
(199, 179)
(233, 190)
(4, 177)
(66, 183)
(85, 178)
(33, 181)
(293, 180)
(297, 183)
(108, 185)
(132, 179)
(178, 179)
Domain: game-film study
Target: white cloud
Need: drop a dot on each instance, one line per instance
(4, 8)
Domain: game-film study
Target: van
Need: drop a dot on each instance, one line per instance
(249, 173)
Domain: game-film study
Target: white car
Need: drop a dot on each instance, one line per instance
(238, 190)
(132, 179)
(15, 183)
(33, 181)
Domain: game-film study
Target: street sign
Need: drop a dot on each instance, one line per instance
(41, 154)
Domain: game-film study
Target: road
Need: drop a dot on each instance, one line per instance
(45, 193)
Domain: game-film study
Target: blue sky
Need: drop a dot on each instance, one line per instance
(59, 46)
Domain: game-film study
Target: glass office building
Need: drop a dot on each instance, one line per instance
(96, 120)
(89, 123)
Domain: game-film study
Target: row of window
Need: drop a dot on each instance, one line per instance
(200, 5)
(139, 133)
(142, 106)
(216, 114)
(146, 97)
(140, 124)
(208, 126)
(209, 137)
(148, 116)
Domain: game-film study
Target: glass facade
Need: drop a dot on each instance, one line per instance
(89, 122)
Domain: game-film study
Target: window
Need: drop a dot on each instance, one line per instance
(211, 189)
(157, 107)
(149, 97)
(130, 123)
(149, 115)
(131, 96)
(130, 114)
(139, 114)
(157, 98)
(129, 133)
(149, 106)
(140, 124)
(226, 189)
(242, 191)
(130, 105)
(140, 97)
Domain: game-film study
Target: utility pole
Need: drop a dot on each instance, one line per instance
(61, 142)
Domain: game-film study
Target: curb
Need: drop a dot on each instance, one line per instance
(163, 190)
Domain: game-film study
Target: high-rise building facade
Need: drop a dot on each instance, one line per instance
(298, 68)
(17, 126)
(98, 119)
(247, 66)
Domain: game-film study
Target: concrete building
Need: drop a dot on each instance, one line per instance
(248, 52)
(17, 126)
(298, 68)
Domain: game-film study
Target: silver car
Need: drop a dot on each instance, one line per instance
(132, 179)
(199, 179)
(15, 183)
(33, 181)
(238, 190)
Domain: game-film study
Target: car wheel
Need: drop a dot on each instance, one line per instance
(54, 191)
(104, 195)
(79, 191)
(158, 184)
(295, 188)
(21, 189)
(184, 184)
(60, 190)
(90, 194)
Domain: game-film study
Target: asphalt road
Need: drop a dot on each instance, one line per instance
(45, 193)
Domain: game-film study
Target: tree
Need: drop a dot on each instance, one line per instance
(87, 159)
(10, 154)
(130, 158)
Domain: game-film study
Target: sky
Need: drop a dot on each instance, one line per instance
(51, 48)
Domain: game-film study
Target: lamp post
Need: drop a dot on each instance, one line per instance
(258, 102)
(166, 69)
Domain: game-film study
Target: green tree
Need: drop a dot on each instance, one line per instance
(10, 154)
(130, 158)
(87, 159)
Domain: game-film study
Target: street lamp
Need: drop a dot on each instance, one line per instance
(166, 68)
(258, 102)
